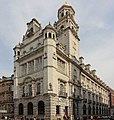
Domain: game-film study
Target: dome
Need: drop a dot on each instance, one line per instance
(66, 4)
(49, 26)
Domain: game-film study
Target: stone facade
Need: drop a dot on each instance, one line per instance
(95, 93)
(6, 97)
(46, 69)
(50, 80)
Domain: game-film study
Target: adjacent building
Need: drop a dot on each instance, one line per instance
(111, 102)
(50, 79)
(95, 93)
(6, 97)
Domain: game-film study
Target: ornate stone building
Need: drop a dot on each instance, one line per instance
(50, 80)
(6, 97)
(94, 92)
(46, 69)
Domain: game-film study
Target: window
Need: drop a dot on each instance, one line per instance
(62, 27)
(30, 108)
(58, 109)
(62, 92)
(20, 109)
(89, 110)
(62, 14)
(62, 88)
(18, 53)
(24, 69)
(97, 110)
(38, 63)
(31, 66)
(61, 65)
(41, 108)
(49, 35)
(93, 110)
(23, 90)
(53, 36)
(38, 88)
(9, 88)
(66, 110)
(89, 95)
(45, 35)
(84, 109)
(30, 90)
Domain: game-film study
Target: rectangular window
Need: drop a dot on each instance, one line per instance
(58, 109)
(38, 63)
(24, 69)
(61, 65)
(30, 90)
(31, 66)
(38, 88)
(66, 110)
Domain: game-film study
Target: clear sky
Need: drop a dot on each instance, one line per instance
(94, 17)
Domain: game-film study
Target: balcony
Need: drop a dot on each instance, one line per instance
(62, 94)
(27, 94)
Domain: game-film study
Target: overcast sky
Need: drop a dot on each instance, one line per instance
(94, 17)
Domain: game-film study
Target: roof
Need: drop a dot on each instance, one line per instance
(49, 26)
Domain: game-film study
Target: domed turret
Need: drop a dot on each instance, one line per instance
(16, 51)
(65, 9)
(49, 31)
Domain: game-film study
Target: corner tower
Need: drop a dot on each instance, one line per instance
(67, 30)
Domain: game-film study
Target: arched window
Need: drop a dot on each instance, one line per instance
(62, 14)
(89, 110)
(84, 109)
(53, 36)
(93, 110)
(20, 109)
(18, 52)
(97, 110)
(30, 108)
(41, 108)
(49, 35)
(102, 110)
(67, 13)
(45, 35)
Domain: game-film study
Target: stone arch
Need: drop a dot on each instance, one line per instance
(21, 109)
(30, 108)
(89, 110)
(84, 109)
(41, 108)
